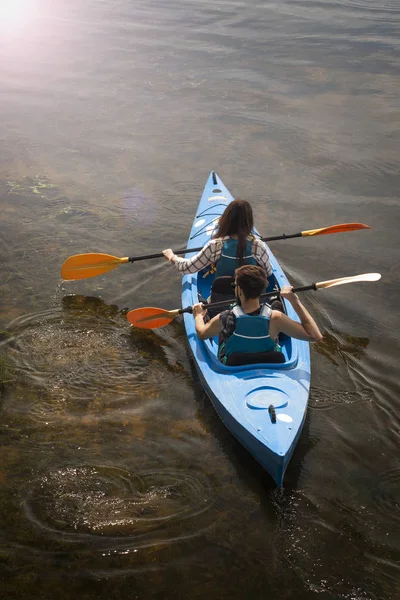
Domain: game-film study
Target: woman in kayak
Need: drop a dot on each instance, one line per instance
(231, 246)
(251, 328)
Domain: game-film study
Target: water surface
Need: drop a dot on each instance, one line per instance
(118, 479)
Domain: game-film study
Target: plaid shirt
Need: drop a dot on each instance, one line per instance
(212, 251)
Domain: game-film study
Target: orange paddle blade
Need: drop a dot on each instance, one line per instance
(83, 266)
(150, 318)
(341, 228)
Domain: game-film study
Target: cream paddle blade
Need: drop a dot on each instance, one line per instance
(344, 280)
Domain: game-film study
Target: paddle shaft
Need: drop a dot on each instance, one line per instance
(158, 317)
(303, 288)
(160, 254)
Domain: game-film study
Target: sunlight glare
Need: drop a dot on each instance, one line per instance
(14, 13)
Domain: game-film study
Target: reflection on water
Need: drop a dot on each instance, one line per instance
(346, 353)
(137, 208)
(345, 347)
(307, 533)
(109, 501)
(14, 14)
(30, 185)
(108, 460)
(85, 362)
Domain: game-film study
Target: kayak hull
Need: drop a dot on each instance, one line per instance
(243, 396)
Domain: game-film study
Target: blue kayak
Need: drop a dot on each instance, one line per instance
(263, 405)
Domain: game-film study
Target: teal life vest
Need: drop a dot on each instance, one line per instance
(251, 334)
(228, 261)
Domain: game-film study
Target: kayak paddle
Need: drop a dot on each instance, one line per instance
(84, 266)
(152, 318)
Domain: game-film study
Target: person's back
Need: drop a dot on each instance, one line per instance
(228, 261)
(254, 328)
(231, 246)
(246, 333)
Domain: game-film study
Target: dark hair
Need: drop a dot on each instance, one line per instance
(252, 279)
(237, 219)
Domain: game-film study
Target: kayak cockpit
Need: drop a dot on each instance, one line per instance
(289, 350)
(201, 288)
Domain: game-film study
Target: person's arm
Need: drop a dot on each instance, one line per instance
(261, 255)
(205, 330)
(207, 255)
(306, 330)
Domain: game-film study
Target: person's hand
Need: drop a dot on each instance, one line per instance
(199, 310)
(287, 292)
(169, 254)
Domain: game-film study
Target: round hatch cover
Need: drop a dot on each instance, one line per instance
(264, 396)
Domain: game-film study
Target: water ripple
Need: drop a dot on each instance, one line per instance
(323, 398)
(65, 357)
(311, 540)
(388, 495)
(61, 355)
(366, 9)
(379, 11)
(111, 502)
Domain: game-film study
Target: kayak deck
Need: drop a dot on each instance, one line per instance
(243, 395)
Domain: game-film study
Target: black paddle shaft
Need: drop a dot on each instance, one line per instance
(303, 288)
(185, 250)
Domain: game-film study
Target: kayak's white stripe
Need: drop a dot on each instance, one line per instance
(252, 337)
(234, 257)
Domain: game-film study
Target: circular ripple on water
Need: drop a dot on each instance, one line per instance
(112, 502)
(75, 356)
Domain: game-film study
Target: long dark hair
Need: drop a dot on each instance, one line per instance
(237, 219)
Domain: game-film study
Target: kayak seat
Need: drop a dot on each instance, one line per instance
(221, 290)
(277, 305)
(223, 285)
(241, 358)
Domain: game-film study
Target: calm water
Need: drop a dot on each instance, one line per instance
(117, 478)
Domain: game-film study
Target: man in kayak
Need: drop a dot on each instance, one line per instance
(232, 245)
(248, 333)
